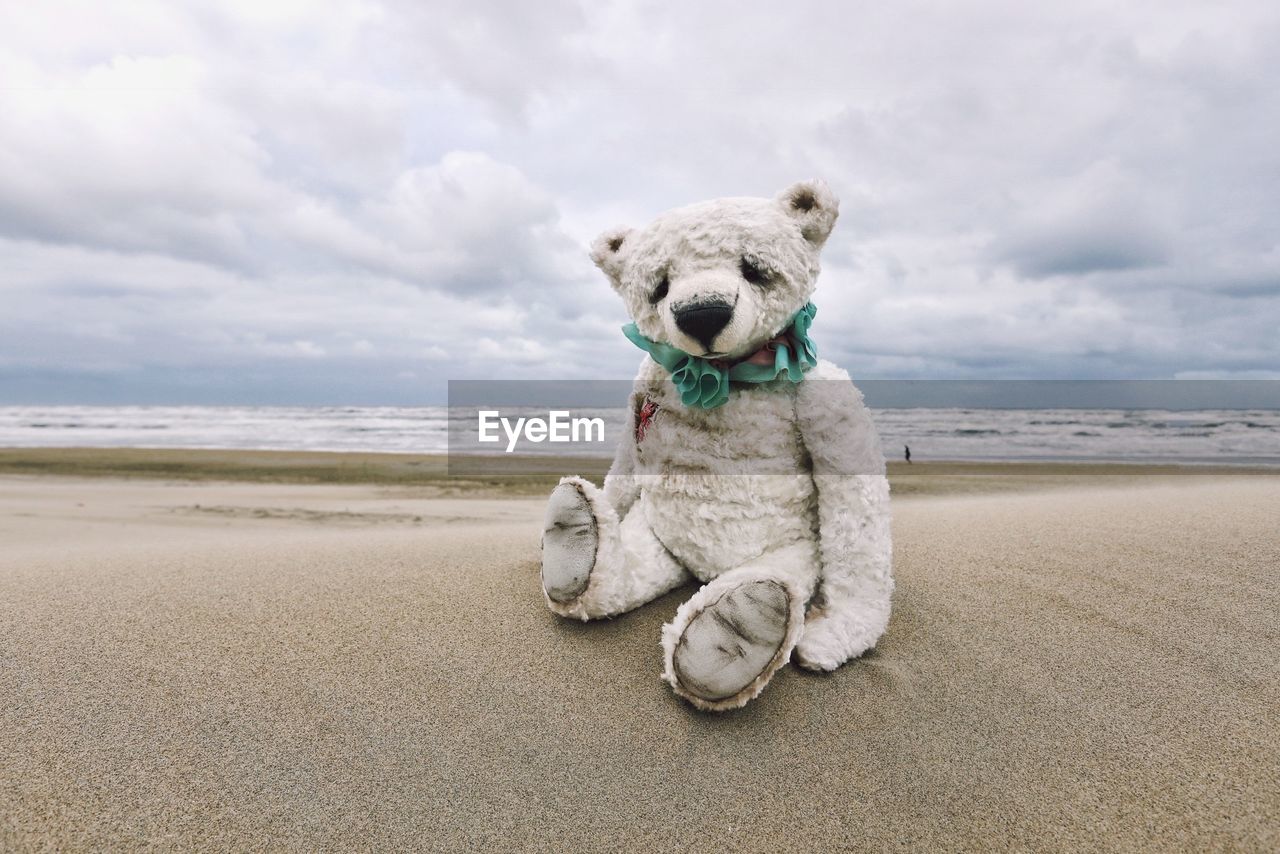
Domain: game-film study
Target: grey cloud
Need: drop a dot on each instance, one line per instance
(1094, 241)
(213, 190)
(1264, 287)
(504, 55)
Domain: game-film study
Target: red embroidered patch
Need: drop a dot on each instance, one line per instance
(648, 411)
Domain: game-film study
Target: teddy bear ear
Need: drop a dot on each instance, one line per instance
(814, 206)
(606, 251)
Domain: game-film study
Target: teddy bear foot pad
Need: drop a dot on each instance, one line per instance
(569, 541)
(733, 642)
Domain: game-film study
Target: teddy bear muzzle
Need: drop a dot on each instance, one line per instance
(703, 320)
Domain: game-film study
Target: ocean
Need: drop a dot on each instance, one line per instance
(1219, 436)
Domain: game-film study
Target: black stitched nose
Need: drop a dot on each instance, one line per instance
(704, 320)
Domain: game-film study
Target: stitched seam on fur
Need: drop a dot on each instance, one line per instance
(595, 532)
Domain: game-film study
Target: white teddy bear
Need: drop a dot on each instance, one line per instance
(749, 464)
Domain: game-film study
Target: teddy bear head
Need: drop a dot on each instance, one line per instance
(717, 279)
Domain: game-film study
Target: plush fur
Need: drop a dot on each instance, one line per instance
(783, 484)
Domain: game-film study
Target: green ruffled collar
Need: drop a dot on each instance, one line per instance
(704, 383)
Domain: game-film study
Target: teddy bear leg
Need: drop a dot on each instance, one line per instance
(728, 641)
(594, 565)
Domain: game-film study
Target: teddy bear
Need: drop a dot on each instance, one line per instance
(747, 464)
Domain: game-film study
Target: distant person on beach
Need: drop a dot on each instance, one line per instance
(906, 450)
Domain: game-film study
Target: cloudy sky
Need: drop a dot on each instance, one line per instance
(351, 202)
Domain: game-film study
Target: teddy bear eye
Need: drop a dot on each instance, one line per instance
(753, 272)
(661, 290)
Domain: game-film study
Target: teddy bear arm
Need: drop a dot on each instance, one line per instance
(851, 606)
(850, 609)
(621, 486)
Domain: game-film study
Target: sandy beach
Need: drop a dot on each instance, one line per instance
(1077, 659)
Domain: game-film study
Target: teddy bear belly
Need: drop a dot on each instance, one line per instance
(713, 524)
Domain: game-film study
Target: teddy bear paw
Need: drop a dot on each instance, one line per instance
(732, 646)
(569, 540)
